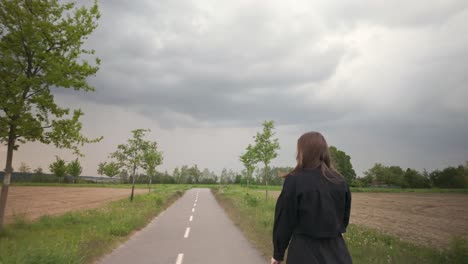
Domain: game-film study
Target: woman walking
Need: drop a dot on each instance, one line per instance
(313, 208)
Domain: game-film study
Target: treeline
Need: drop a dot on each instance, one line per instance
(193, 175)
(394, 176)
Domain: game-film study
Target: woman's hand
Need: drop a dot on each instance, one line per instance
(274, 261)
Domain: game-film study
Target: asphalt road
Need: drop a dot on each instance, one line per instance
(194, 230)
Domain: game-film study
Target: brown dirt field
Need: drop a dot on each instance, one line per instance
(34, 202)
(429, 219)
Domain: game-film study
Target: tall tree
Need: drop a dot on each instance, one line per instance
(40, 50)
(151, 159)
(58, 167)
(130, 155)
(265, 149)
(342, 162)
(249, 159)
(74, 169)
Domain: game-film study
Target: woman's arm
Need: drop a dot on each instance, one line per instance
(285, 217)
(347, 207)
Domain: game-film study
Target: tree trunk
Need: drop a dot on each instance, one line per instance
(7, 176)
(150, 181)
(133, 183)
(266, 182)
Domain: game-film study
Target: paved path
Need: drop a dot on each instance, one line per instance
(194, 230)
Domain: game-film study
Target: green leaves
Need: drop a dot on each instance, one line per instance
(130, 155)
(265, 146)
(111, 169)
(264, 150)
(342, 163)
(151, 158)
(74, 168)
(249, 159)
(138, 153)
(58, 167)
(41, 50)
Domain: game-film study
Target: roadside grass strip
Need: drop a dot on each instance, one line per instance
(82, 236)
(254, 215)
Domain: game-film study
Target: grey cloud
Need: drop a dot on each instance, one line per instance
(385, 77)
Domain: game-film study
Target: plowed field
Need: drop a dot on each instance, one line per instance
(430, 219)
(34, 202)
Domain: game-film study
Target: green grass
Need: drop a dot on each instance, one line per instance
(249, 210)
(384, 190)
(82, 236)
(396, 190)
(255, 187)
(111, 185)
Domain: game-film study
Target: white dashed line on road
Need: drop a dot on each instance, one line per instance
(180, 258)
(187, 232)
(193, 210)
(191, 218)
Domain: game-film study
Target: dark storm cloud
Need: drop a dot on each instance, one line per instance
(250, 62)
(381, 77)
(242, 68)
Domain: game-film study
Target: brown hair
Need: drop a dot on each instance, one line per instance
(312, 153)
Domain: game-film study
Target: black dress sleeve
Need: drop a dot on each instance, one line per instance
(285, 218)
(347, 211)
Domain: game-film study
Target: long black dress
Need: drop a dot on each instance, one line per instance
(311, 214)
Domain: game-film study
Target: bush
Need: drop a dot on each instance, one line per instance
(250, 200)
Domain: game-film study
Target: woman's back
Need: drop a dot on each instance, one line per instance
(313, 208)
(323, 207)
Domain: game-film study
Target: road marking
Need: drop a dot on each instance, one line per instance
(193, 210)
(180, 258)
(187, 232)
(195, 205)
(191, 218)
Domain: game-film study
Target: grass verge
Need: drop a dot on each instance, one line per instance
(254, 216)
(82, 236)
(381, 190)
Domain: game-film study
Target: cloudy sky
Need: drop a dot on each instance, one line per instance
(385, 81)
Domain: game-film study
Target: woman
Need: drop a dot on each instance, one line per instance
(313, 208)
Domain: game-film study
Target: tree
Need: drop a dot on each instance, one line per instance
(24, 168)
(40, 50)
(111, 169)
(384, 175)
(414, 179)
(265, 149)
(185, 176)
(58, 167)
(123, 176)
(342, 163)
(450, 177)
(223, 177)
(100, 169)
(195, 173)
(74, 169)
(151, 159)
(176, 175)
(39, 171)
(249, 159)
(130, 155)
